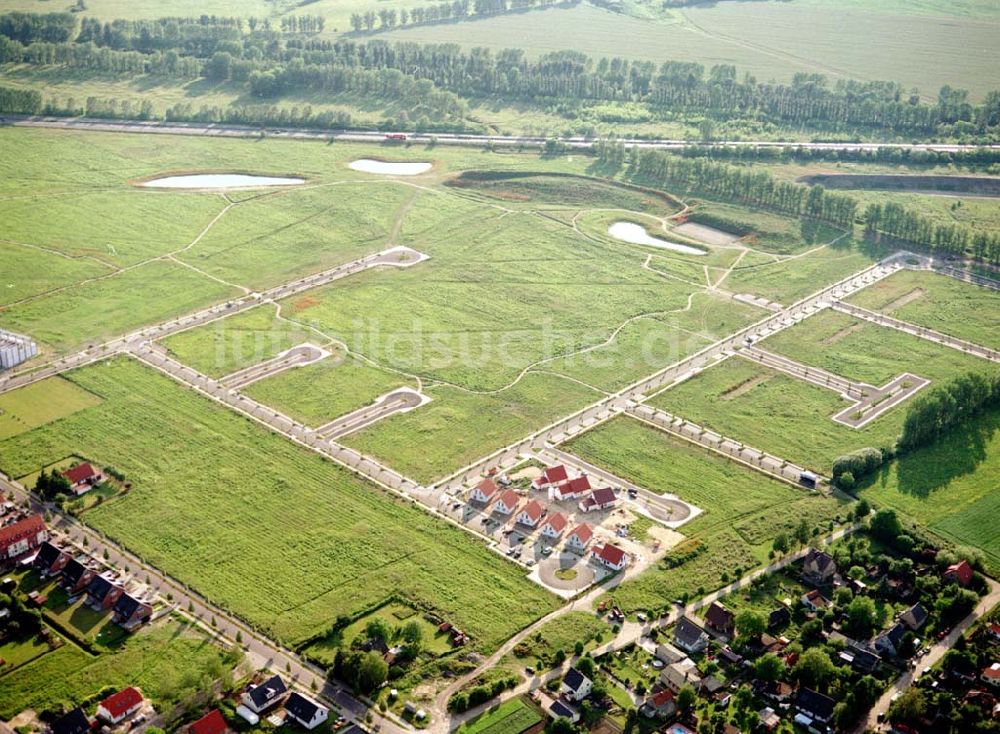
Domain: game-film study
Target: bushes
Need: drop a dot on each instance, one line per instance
(850, 468)
(940, 410)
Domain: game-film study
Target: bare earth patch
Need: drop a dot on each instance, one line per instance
(903, 300)
(842, 334)
(744, 387)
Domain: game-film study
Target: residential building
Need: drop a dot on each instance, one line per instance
(131, 612)
(818, 568)
(779, 618)
(775, 691)
(572, 490)
(210, 723)
(995, 631)
(507, 503)
(863, 660)
(991, 675)
(103, 591)
(484, 492)
(689, 637)
(611, 556)
(958, 573)
(668, 653)
(22, 536)
(306, 712)
(814, 601)
(815, 705)
(914, 617)
(660, 705)
(531, 514)
(600, 499)
(579, 539)
(769, 719)
(576, 686)
(720, 620)
(76, 576)
(890, 642)
(559, 710)
(75, 722)
(83, 477)
(50, 559)
(115, 709)
(260, 698)
(677, 675)
(554, 525)
(551, 476)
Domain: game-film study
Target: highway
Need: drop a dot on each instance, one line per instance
(379, 136)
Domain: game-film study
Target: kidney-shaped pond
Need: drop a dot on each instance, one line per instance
(636, 234)
(219, 181)
(390, 168)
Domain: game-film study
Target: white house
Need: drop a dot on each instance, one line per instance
(507, 503)
(262, 697)
(573, 489)
(611, 556)
(576, 686)
(484, 492)
(118, 707)
(305, 711)
(554, 525)
(579, 539)
(532, 513)
(552, 475)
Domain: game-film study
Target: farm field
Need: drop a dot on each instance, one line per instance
(937, 302)
(166, 661)
(37, 404)
(510, 717)
(775, 412)
(319, 392)
(194, 514)
(744, 510)
(869, 353)
(28, 271)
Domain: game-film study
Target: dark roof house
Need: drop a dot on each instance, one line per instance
(720, 619)
(265, 695)
(914, 617)
(75, 722)
(815, 705)
(689, 636)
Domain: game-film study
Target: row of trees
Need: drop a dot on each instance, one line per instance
(936, 412)
(389, 18)
(29, 27)
(895, 222)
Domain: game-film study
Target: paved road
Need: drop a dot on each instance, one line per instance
(936, 652)
(376, 136)
(394, 402)
(298, 356)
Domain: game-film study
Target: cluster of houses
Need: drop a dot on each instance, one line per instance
(105, 590)
(269, 695)
(111, 712)
(555, 480)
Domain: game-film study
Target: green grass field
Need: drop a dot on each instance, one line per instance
(28, 271)
(263, 528)
(743, 510)
(774, 412)
(869, 353)
(789, 280)
(938, 302)
(165, 661)
(41, 403)
(510, 717)
(318, 393)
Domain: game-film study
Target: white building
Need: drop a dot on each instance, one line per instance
(305, 711)
(15, 349)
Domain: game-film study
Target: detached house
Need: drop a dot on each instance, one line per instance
(103, 591)
(554, 525)
(677, 675)
(210, 723)
(83, 477)
(689, 637)
(131, 612)
(306, 712)
(484, 492)
(815, 705)
(573, 489)
(115, 709)
(659, 706)
(22, 536)
(531, 514)
(260, 698)
(818, 568)
(991, 675)
(780, 617)
(890, 642)
(576, 686)
(507, 503)
(552, 475)
(600, 499)
(611, 556)
(50, 559)
(75, 722)
(579, 539)
(720, 620)
(814, 601)
(914, 617)
(958, 573)
(76, 576)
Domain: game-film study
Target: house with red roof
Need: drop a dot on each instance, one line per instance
(995, 630)
(552, 475)
(611, 556)
(579, 539)
(555, 525)
(508, 502)
(21, 537)
(83, 477)
(484, 492)
(115, 709)
(991, 675)
(660, 705)
(573, 489)
(210, 723)
(958, 573)
(600, 499)
(532, 513)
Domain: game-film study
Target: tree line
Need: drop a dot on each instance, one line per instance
(456, 10)
(895, 223)
(938, 411)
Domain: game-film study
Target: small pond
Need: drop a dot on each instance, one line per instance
(636, 234)
(390, 168)
(219, 181)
